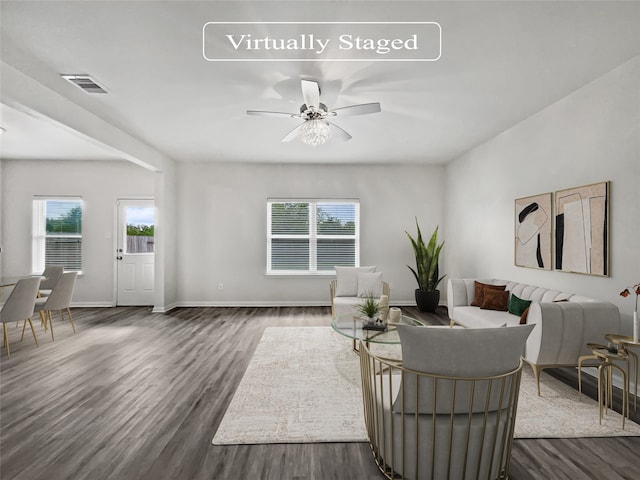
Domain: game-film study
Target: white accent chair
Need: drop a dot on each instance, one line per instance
(59, 299)
(19, 306)
(352, 285)
(448, 409)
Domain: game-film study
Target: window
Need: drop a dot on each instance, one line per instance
(311, 237)
(140, 236)
(57, 233)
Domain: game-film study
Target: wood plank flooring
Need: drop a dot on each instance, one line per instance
(136, 395)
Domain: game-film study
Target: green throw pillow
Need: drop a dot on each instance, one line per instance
(517, 305)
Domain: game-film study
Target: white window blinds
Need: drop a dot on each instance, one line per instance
(312, 236)
(57, 233)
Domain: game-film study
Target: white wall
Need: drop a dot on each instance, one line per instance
(589, 136)
(214, 215)
(222, 226)
(1, 239)
(100, 184)
(166, 237)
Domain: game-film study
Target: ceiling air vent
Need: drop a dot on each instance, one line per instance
(85, 82)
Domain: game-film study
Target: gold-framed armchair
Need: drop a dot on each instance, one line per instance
(448, 409)
(349, 302)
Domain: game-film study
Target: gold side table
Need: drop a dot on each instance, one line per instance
(605, 380)
(624, 342)
(592, 347)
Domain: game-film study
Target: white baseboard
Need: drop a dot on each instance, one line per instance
(273, 303)
(166, 308)
(92, 304)
(257, 303)
(240, 303)
(402, 303)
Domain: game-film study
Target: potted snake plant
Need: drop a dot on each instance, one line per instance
(427, 270)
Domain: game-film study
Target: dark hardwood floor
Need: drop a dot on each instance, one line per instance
(136, 395)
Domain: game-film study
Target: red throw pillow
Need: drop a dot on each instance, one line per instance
(523, 317)
(480, 289)
(495, 300)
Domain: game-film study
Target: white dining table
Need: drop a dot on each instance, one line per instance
(8, 282)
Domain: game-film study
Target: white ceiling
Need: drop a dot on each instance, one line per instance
(501, 62)
(32, 136)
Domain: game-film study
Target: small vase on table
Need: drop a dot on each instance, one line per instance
(634, 289)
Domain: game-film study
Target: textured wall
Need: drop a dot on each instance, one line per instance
(589, 136)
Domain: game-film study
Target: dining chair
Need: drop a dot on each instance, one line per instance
(19, 306)
(51, 275)
(59, 299)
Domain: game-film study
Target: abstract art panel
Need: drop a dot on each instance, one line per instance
(533, 231)
(582, 229)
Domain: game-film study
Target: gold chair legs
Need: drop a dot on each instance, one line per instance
(537, 370)
(6, 335)
(32, 331)
(73, 327)
(46, 317)
(49, 320)
(6, 339)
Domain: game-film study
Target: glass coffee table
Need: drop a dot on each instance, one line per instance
(351, 327)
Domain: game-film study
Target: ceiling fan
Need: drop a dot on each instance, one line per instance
(316, 128)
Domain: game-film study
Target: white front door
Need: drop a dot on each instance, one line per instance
(135, 252)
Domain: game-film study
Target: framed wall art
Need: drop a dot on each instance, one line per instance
(582, 229)
(533, 218)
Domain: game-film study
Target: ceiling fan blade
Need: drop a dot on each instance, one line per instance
(338, 133)
(311, 93)
(273, 114)
(293, 134)
(361, 109)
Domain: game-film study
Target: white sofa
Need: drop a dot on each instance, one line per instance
(564, 322)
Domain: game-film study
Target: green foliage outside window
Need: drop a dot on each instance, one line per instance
(290, 218)
(330, 225)
(140, 230)
(312, 236)
(293, 219)
(71, 222)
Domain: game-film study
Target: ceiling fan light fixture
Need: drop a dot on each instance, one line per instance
(314, 132)
(316, 129)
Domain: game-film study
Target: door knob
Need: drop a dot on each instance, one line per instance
(118, 258)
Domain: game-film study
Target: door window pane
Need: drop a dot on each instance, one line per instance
(140, 230)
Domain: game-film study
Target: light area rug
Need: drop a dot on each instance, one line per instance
(303, 386)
